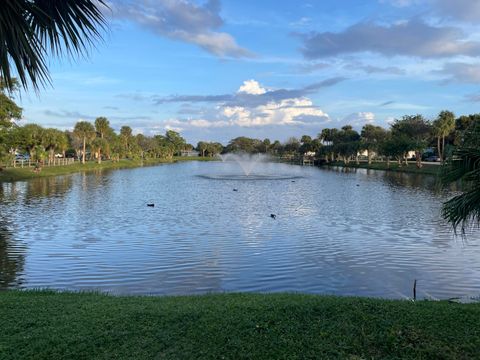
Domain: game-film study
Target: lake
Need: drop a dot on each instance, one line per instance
(362, 232)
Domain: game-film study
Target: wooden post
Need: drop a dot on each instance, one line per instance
(415, 290)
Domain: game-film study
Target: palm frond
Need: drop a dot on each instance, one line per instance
(464, 166)
(30, 29)
(463, 209)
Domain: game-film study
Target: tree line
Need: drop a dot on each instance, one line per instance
(410, 133)
(87, 141)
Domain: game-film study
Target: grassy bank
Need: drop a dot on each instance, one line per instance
(47, 325)
(16, 174)
(427, 169)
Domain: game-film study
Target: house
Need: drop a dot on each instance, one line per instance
(189, 153)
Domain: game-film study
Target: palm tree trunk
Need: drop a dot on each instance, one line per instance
(84, 149)
(418, 156)
(369, 154)
(99, 156)
(443, 149)
(439, 149)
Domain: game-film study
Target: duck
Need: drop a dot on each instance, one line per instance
(151, 205)
(235, 189)
(273, 216)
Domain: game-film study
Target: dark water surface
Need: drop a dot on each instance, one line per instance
(364, 233)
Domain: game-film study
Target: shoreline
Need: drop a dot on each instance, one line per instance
(427, 169)
(12, 174)
(48, 324)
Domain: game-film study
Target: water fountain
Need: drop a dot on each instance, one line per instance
(249, 165)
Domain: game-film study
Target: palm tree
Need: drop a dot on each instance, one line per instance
(102, 125)
(99, 145)
(125, 135)
(85, 132)
(464, 166)
(442, 127)
(52, 140)
(30, 29)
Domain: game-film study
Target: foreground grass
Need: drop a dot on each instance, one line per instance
(427, 169)
(16, 174)
(48, 325)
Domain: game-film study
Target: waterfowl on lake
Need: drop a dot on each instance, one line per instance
(273, 216)
(151, 205)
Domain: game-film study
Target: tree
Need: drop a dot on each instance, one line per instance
(202, 147)
(99, 145)
(464, 166)
(415, 128)
(292, 145)
(346, 143)
(442, 126)
(394, 147)
(125, 136)
(244, 144)
(371, 138)
(53, 140)
(29, 29)
(267, 143)
(31, 137)
(178, 143)
(327, 136)
(9, 110)
(85, 132)
(307, 144)
(102, 126)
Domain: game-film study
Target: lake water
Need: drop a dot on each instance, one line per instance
(362, 232)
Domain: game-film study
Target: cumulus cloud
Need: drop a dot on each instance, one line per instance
(182, 20)
(251, 87)
(408, 38)
(359, 119)
(284, 112)
(255, 106)
(461, 72)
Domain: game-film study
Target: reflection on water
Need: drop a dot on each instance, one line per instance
(12, 258)
(355, 232)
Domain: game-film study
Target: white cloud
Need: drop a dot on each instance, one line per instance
(252, 87)
(182, 20)
(359, 119)
(282, 112)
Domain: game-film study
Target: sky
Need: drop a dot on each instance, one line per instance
(217, 69)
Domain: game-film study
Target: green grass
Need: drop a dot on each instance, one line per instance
(16, 174)
(48, 325)
(427, 169)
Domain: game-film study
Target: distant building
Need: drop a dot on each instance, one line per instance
(189, 153)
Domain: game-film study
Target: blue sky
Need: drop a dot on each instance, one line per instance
(218, 69)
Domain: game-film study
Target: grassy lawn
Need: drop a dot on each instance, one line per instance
(427, 169)
(48, 325)
(15, 174)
